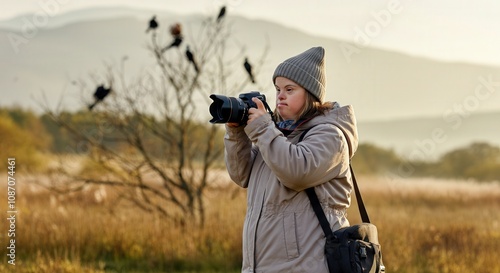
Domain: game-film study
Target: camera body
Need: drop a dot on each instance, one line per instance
(247, 98)
(229, 109)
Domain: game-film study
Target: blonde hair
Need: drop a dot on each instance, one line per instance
(312, 107)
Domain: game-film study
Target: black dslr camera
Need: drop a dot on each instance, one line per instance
(229, 109)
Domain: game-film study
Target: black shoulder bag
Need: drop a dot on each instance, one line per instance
(355, 248)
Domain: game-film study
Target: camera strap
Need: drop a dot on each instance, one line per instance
(269, 110)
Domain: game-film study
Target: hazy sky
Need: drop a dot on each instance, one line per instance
(456, 30)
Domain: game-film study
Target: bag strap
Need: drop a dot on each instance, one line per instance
(361, 204)
(325, 225)
(313, 198)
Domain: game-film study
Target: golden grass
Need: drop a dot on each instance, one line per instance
(432, 225)
(425, 225)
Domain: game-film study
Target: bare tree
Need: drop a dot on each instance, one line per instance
(147, 136)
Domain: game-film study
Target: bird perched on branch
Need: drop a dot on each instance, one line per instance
(248, 68)
(100, 93)
(176, 32)
(222, 12)
(175, 43)
(152, 24)
(191, 59)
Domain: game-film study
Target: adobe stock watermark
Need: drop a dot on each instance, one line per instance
(11, 210)
(454, 117)
(31, 25)
(363, 36)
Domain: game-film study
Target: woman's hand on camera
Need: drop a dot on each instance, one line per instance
(254, 113)
(233, 124)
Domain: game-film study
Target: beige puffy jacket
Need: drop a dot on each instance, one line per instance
(281, 232)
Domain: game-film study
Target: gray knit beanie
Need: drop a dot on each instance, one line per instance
(306, 69)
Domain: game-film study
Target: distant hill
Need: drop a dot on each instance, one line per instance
(429, 138)
(380, 84)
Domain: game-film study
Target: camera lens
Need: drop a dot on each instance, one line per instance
(226, 109)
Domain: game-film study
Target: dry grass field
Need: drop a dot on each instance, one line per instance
(425, 225)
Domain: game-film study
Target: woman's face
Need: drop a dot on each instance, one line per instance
(290, 98)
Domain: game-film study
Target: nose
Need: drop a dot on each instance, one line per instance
(280, 95)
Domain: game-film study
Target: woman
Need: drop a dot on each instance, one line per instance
(281, 232)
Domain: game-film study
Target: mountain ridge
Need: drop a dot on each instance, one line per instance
(387, 89)
(89, 14)
(429, 138)
(370, 81)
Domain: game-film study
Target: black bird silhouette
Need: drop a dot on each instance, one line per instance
(222, 12)
(190, 57)
(100, 93)
(248, 68)
(175, 43)
(152, 24)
